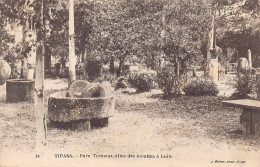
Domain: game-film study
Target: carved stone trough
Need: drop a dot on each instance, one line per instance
(79, 113)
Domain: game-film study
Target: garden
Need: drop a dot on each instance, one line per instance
(130, 79)
(145, 123)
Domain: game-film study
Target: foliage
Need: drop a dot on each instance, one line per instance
(136, 28)
(146, 29)
(15, 55)
(201, 87)
(93, 69)
(106, 75)
(244, 84)
(25, 13)
(231, 32)
(241, 40)
(143, 82)
(168, 83)
(5, 39)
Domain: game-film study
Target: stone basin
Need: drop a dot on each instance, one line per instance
(72, 109)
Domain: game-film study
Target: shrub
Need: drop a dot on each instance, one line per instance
(93, 69)
(64, 72)
(244, 84)
(143, 82)
(169, 84)
(201, 87)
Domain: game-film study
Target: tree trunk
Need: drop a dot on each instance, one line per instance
(22, 59)
(72, 57)
(84, 64)
(39, 88)
(22, 71)
(112, 65)
(121, 65)
(177, 67)
(47, 60)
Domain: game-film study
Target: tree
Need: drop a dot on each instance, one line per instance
(236, 25)
(185, 29)
(20, 11)
(16, 12)
(128, 28)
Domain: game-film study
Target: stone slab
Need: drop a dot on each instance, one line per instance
(250, 118)
(243, 103)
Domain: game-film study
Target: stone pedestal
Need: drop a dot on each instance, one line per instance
(249, 57)
(30, 74)
(258, 85)
(213, 71)
(31, 68)
(250, 122)
(250, 118)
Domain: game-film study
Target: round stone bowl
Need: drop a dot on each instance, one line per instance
(71, 109)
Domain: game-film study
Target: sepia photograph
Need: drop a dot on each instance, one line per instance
(140, 83)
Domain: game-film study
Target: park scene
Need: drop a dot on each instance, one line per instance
(146, 81)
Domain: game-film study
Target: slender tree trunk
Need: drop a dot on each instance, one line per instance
(177, 67)
(154, 62)
(47, 57)
(112, 65)
(22, 59)
(121, 65)
(22, 66)
(84, 63)
(39, 88)
(72, 57)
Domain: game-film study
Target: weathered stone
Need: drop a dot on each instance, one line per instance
(107, 86)
(242, 65)
(213, 71)
(77, 87)
(250, 118)
(67, 109)
(258, 85)
(250, 122)
(80, 125)
(18, 90)
(5, 71)
(94, 90)
(249, 58)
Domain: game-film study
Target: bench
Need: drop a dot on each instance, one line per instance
(250, 118)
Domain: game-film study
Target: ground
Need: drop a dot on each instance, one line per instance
(193, 130)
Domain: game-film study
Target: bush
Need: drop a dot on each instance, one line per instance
(143, 82)
(93, 69)
(169, 84)
(201, 87)
(244, 85)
